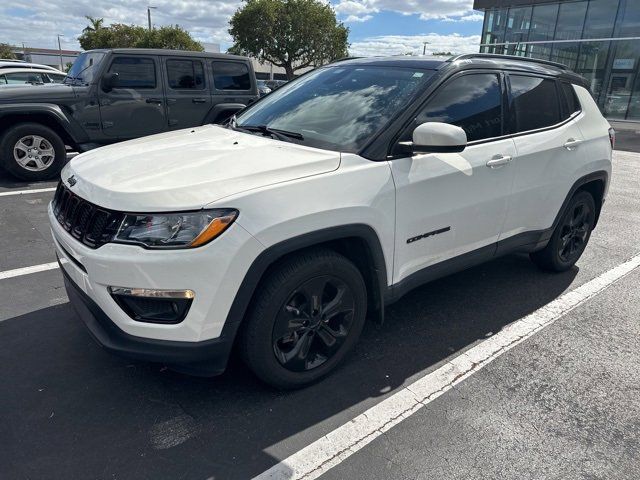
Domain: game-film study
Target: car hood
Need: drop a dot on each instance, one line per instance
(188, 169)
(35, 93)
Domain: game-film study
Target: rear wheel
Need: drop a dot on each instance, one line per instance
(308, 315)
(31, 151)
(570, 237)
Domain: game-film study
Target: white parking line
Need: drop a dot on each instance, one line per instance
(336, 446)
(27, 270)
(24, 192)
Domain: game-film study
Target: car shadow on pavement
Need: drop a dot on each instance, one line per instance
(70, 410)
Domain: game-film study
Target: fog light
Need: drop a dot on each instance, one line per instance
(153, 306)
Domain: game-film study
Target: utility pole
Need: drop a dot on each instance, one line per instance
(149, 15)
(424, 48)
(60, 51)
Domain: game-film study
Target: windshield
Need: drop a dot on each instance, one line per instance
(84, 68)
(337, 108)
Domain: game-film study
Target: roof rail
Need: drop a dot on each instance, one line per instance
(508, 57)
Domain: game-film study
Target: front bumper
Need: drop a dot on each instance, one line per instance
(208, 357)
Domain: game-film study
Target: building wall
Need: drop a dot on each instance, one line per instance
(599, 39)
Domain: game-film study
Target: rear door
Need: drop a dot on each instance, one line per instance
(451, 204)
(187, 92)
(135, 107)
(548, 151)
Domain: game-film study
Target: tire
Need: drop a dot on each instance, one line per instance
(570, 236)
(286, 319)
(46, 147)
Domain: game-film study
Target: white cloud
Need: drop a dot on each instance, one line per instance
(37, 27)
(404, 44)
(454, 10)
(472, 17)
(355, 18)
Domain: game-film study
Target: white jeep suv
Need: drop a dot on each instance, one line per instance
(324, 202)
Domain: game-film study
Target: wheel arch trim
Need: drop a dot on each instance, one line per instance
(271, 255)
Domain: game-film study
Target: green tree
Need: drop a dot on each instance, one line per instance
(119, 35)
(6, 52)
(292, 34)
(94, 24)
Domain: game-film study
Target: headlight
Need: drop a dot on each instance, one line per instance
(174, 230)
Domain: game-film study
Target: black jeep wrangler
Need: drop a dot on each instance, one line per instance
(114, 95)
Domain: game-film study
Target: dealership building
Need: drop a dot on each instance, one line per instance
(599, 39)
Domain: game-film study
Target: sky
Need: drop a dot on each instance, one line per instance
(377, 27)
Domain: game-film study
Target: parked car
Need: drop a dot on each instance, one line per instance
(263, 88)
(114, 95)
(29, 76)
(20, 64)
(323, 203)
(275, 84)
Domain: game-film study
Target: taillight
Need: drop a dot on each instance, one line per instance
(612, 138)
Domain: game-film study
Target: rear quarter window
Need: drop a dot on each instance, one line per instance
(534, 103)
(231, 76)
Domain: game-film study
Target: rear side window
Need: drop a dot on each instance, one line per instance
(185, 74)
(472, 102)
(231, 76)
(534, 103)
(134, 72)
(24, 78)
(569, 100)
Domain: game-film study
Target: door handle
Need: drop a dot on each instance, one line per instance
(498, 161)
(199, 100)
(157, 101)
(571, 144)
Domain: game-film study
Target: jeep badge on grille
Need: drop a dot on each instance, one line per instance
(72, 180)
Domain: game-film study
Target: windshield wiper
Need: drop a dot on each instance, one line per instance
(274, 132)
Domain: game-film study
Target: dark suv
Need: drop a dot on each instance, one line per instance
(115, 95)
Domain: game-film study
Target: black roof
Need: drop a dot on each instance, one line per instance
(166, 52)
(471, 60)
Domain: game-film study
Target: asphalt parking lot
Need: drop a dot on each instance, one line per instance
(562, 402)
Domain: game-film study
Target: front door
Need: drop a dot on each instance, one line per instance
(188, 92)
(135, 107)
(450, 204)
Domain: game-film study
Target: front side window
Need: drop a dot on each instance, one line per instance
(472, 102)
(185, 74)
(534, 103)
(231, 76)
(339, 107)
(134, 72)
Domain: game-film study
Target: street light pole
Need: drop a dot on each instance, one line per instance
(149, 15)
(424, 48)
(60, 51)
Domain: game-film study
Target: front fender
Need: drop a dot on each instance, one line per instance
(51, 111)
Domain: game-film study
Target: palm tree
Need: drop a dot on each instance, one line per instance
(94, 24)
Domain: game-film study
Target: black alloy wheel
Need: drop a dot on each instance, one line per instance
(313, 323)
(574, 232)
(306, 316)
(570, 236)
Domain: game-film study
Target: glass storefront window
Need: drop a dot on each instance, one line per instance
(565, 53)
(626, 56)
(571, 20)
(518, 23)
(591, 64)
(495, 23)
(601, 16)
(629, 19)
(543, 22)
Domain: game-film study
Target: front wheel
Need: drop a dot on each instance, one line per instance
(30, 151)
(307, 316)
(570, 237)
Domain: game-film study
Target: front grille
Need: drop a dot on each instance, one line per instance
(92, 225)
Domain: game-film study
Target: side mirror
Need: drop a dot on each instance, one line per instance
(438, 137)
(109, 81)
